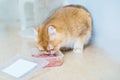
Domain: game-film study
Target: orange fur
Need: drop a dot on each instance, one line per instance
(73, 28)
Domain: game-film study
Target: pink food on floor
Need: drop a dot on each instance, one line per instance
(54, 59)
(44, 55)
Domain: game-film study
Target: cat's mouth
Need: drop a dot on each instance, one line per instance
(48, 52)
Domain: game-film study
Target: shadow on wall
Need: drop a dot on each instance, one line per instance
(106, 19)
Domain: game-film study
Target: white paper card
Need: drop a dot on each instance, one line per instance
(19, 68)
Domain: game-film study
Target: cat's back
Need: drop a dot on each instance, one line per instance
(72, 18)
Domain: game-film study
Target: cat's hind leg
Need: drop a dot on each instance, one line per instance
(80, 42)
(78, 47)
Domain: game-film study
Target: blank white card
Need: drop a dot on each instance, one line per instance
(19, 68)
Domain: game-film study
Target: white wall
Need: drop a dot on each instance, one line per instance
(8, 10)
(106, 14)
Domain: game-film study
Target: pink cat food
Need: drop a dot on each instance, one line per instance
(55, 59)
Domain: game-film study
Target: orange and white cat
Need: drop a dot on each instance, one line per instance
(69, 26)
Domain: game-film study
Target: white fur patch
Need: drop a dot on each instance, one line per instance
(69, 42)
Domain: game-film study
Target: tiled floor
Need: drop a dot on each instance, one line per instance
(93, 64)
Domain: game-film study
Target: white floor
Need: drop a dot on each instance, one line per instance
(93, 64)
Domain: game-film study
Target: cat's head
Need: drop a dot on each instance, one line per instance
(48, 38)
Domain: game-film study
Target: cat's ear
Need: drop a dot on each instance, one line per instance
(51, 32)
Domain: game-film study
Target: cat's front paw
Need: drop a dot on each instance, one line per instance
(77, 50)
